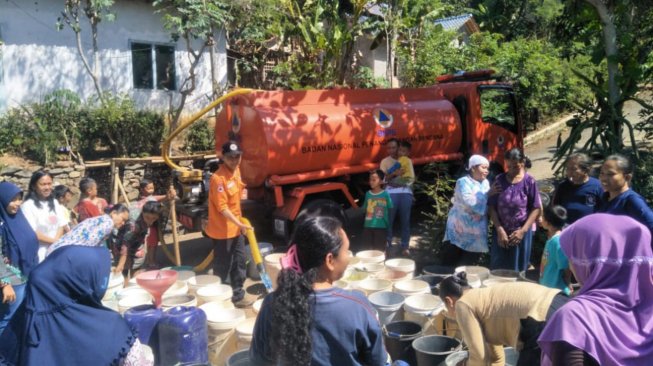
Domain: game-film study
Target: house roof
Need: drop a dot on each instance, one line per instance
(459, 23)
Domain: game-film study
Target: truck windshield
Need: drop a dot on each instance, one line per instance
(498, 107)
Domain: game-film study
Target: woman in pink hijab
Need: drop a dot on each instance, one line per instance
(610, 320)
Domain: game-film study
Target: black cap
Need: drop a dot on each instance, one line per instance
(231, 148)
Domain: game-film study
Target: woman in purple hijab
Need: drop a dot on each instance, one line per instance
(610, 320)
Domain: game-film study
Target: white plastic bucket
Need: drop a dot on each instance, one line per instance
(394, 276)
(371, 256)
(212, 307)
(178, 300)
(111, 304)
(388, 306)
(197, 282)
(177, 288)
(116, 283)
(474, 281)
(483, 273)
(185, 275)
(272, 263)
(372, 285)
(133, 299)
(132, 283)
(411, 287)
(129, 292)
(221, 325)
(353, 262)
(401, 265)
(256, 307)
(244, 332)
(353, 277)
(460, 357)
(419, 308)
(371, 268)
(495, 281)
(215, 293)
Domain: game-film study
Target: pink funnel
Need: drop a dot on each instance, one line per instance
(156, 283)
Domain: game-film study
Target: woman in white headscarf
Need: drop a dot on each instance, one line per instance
(466, 234)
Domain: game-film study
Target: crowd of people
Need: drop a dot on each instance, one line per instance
(55, 264)
(598, 235)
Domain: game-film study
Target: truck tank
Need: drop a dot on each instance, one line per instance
(290, 132)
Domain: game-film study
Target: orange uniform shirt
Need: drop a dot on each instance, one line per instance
(225, 191)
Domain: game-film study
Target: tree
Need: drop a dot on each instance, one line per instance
(95, 12)
(195, 22)
(405, 21)
(321, 36)
(621, 37)
(518, 18)
(256, 35)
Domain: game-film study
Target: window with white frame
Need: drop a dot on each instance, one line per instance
(153, 66)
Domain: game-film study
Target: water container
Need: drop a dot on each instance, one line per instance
(398, 338)
(240, 358)
(433, 281)
(434, 350)
(483, 273)
(435, 269)
(245, 332)
(371, 256)
(388, 306)
(272, 263)
(183, 337)
(420, 308)
(144, 319)
(264, 249)
(531, 275)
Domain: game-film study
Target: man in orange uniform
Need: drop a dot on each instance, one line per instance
(224, 226)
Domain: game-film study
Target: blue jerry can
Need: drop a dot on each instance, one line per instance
(183, 337)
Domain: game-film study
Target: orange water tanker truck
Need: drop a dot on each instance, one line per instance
(303, 148)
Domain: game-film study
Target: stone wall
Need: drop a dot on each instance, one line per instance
(63, 172)
(69, 174)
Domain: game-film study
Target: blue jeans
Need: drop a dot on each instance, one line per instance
(8, 310)
(515, 257)
(401, 205)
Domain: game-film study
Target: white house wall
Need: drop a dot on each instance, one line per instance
(37, 59)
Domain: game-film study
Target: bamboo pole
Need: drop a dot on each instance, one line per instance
(175, 239)
(114, 183)
(122, 190)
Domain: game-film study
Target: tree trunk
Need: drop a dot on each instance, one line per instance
(611, 51)
(87, 66)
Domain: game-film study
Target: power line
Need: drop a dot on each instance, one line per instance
(49, 27)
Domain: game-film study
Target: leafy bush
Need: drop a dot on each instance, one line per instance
(39, 130)
(439, 193)
(200, 137)
(128, 131)
(542, 78)
(61, 123)
(364, 79)
(643, 177)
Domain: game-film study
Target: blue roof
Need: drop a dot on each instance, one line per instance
(454, 23)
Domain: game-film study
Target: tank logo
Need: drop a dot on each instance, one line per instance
(235, 123)
(500, 140)
(383, 118)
